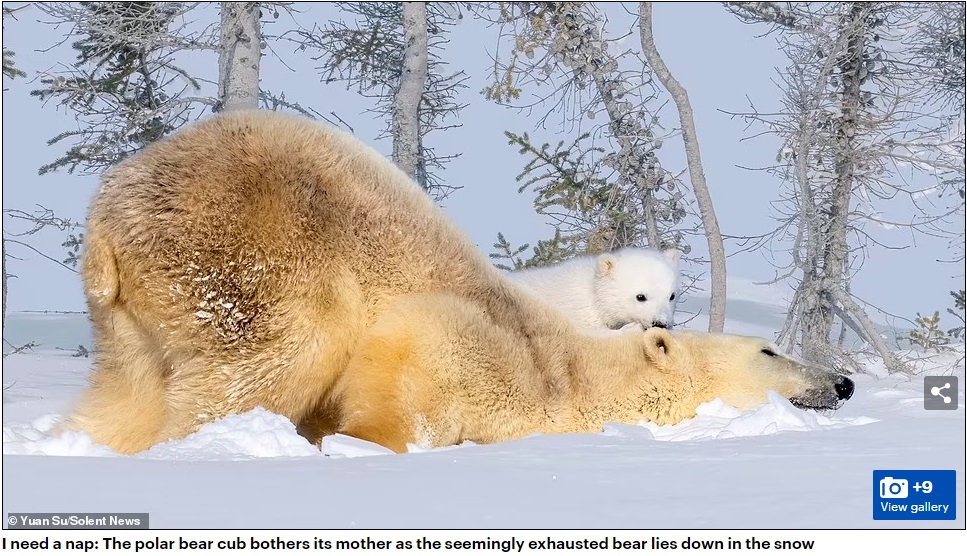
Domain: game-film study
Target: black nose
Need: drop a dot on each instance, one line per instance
(659, 325)
(844, 388)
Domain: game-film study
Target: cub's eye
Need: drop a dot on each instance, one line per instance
(672, 298)
(769, 352)
(641, 297)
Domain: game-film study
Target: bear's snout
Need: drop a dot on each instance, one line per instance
(829, 393)
(659, 325)
(844, 388)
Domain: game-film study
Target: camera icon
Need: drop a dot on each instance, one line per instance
(893, 488)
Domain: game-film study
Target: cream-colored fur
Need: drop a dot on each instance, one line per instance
(436, 371)
(258, 259)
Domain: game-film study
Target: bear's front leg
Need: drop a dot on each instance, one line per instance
(369, 395)
(395, 391)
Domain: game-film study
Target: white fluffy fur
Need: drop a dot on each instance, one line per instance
(601, 292)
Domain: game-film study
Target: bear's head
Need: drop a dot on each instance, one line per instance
(637, 286)
(740, 370)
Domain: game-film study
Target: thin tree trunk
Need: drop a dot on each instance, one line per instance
(848, 322)
(890, 361)
(811, 240)
(830, 269)
(648, 211)
(406, 103)
(615, 120)
(716, 247)
(834, 252)
(3, 248)
(623, 130)
(239, 55)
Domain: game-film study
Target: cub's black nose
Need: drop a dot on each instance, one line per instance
(659, 325)
(844, 388)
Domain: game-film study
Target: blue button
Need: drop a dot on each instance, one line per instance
(919, 495)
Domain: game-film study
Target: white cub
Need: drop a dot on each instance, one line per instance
(627, 288)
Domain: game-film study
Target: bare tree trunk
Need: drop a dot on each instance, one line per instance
(406, 103)
(890, 361)
(830, 272)
(3, 248)
(648, 210)
(716, 247)
(618, 123)
(239, 55)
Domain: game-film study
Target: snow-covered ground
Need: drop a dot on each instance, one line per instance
(772, 467)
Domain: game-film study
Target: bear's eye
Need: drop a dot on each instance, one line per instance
(769, 352)
(672, 298)
(641, 297)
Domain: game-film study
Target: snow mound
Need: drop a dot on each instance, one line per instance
(33, 439)
(255, 434)
(262, 434)
(716, 420)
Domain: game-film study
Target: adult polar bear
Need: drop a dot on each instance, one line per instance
(258, 259)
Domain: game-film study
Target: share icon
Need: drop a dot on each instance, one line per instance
(940, 392)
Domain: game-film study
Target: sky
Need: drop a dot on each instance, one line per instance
(722, 62)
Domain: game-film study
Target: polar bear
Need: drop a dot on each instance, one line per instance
(259, 260)
(628, 289)
(486, 386)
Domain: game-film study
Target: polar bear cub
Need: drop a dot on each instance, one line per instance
(625, 289)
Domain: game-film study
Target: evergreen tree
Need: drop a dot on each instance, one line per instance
(124, 88)
(569, 189)
(9, 68)
(599, 195)
(957, 332)
(929, 335)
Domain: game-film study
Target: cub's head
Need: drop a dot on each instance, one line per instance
(637, 286)
(740, 370)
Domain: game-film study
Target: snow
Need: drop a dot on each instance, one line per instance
(717, 420)
(775, 466)
(256, 434)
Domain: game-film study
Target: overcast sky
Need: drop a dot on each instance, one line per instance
(721, 62)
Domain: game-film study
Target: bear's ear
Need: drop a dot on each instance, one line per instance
(606, 264)
(659, 346)
(671, 254)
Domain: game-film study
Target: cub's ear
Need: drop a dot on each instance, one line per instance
(671, 254)
(659, 346)
(606, 264)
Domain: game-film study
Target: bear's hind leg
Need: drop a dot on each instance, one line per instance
(124, 408)
(290, 376)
